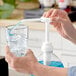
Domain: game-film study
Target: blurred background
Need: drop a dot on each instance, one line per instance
(12, 11)
(19, 9)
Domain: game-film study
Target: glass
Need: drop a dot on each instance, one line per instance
(17, 39)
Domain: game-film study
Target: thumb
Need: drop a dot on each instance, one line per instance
(29, 52)
(44, 14)
(58, 19)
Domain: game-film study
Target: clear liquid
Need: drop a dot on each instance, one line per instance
(18, 41)
(18, 46)
(54, 64)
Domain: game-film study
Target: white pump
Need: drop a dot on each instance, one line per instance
(47, 48)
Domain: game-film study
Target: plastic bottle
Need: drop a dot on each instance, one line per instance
(53, 60)
(49, 58)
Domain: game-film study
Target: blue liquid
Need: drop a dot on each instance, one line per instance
(54, 64)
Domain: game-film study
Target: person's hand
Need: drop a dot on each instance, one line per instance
(21, 64)
(62, 23)
(29, 64)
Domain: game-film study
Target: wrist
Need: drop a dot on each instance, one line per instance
(42, 70)
(73, 36)
(34, 66)
(37, 69)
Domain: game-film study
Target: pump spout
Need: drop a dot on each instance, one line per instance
(47, 48)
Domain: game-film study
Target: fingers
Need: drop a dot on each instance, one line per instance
(52, 13)
(57, 21)
(31, 55)
(63, 14)
(44, 15)
(9, 56)
(56, 13)
(8, 52)
(48, 13)
(29, 52)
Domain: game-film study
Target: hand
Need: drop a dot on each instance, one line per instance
(21, 64)
(29, 64)
(62, 23)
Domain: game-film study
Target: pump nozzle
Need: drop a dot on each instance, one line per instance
(47, 48)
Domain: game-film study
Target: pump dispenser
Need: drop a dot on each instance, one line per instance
(49, 58)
